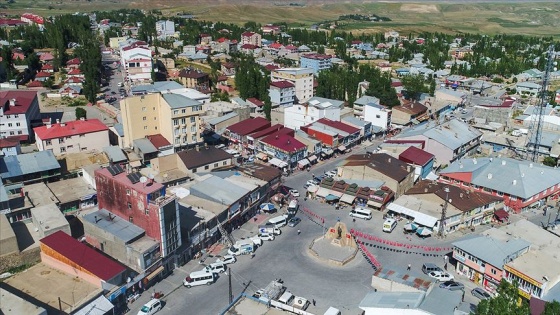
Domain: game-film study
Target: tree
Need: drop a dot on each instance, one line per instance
(80, 112)
(414, 86)
(552, 308)
(550, 161)
(506, 302)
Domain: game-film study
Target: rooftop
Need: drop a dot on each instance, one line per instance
(71, 189)
(249, 126)
(176, 101)
(23, 164)
(338, 125)
(411, 108)
(13, 304)
(158, 86)
(123, 179)
(284, 142)
(49, 218)
(321, 102)
(195, 158)
(9, 142)
(381, 162)
(282, 84)
(115, 154)
(548, 266)
(23, 100)
(218, 190)
(539, 238)
(69, 129)
(158, 141)
(144, 145)
(452, 134)
(416, 156)
(493, 251)
(114, 225)
(391, 300)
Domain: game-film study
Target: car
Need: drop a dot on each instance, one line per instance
(215, 268)
(332, 173)
(312, 182)
(294, 193)
(266, 236)
(441, 276)
(452, 285)
(294, 221)
(113, 92)
(306, 186)
(226, 259)
(151, 307)
(481, 294)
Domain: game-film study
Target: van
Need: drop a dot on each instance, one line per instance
(333, 311)
(199, 278)
(429, 267)
(279, 221)
(389, 225)
(243, 247)
(151, 307)
(293, 207)
(286, 298)
(361, 213)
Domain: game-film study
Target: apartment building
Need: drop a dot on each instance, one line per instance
(19, 110)
(73, 136)
(301, 78)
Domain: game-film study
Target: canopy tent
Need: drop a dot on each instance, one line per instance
(424, 231)
(312, 188)
(262, 156)
(266, 207)
(277, 162)
(349, 199)
(322, 192)
(410, 226)
(331, 197)
(420, 218)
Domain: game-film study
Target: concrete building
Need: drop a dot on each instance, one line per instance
(498, 112)
(174, 116)
(524, 185)
(251, 38)
(73, 194)
(529, 88)
(335, 135)
(238, 133)
(364, 126)
(73, 136)
(282, 93)
(317, 62)
(422, 161)
(282, 147)
(29, 167)
(8, 239)
(204, 159)
(165, 28)
(194, 79)
(299, 115)
(13, 304)
(136, 59)
(301, 78)
(19, 113)
(143, 202)
(48, 219)
(408, 113)
(10, 146)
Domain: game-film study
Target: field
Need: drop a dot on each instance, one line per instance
(510, 17)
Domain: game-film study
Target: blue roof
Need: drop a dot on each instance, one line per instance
(366, 99)
(158, 86)
(490, 250)
(119, 128)
(115, 154)
(3, 192)
(356, 121)
(23, 164)
(452, 134)
(179, 101)
(114, 225)
(144, 145)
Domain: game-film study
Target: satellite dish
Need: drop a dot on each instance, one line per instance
(143, 179)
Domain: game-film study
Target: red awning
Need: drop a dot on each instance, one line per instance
(501, 214)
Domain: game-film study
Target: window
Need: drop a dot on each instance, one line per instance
(175, 122)
(500, 193)
(193, 119)
(175, 112)
(62, 149)
(193, 128)
(18, 124)
(84, 149)
(143, 109)
(48, 142)
(7, 116)
(129, 205)
(194, 170)
(128, 192)
(70, 147)
(9, 124)
(145, 127)
(193, 138)
(12, 133)
(183, 121)
(377, 116)
(82, 136)
(144, 118)
(147, 211)
(215, 164)
(206, 167)
(130, 219)
(183, 111)
(225, 163)
(493, 271)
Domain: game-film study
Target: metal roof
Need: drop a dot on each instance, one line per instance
(3, 192)
(492, 251)
(144, 145)
(119, 129)
(378, 299)
(321, 102)
(356, 121)
(156, 87)
(217, 120)
(364, 100)
(517, 178)
(22, 164)
(452, 134)
(114, 225)
(176, 101)
(218, 190)
(115, 153)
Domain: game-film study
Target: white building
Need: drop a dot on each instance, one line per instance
(301, 78)
(18, 111)
(282, 93)
(528, 88)
(136, 59)
(378, 115)
(165, 29)
(73, 136)
(316, 108)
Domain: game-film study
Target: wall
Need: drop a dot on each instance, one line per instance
(94, 141)
(112, 245)
(134, 109)
(8, 242)
(72, 270)
(370, 114)
(27, 257)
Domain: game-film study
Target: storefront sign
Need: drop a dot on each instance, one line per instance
(522, 276)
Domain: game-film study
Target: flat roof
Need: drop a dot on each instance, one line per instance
(6, 230)
(47, 285)
(114, 225)
(523, 229)
(378, 299)
(13, 304)
(72, 189)
(22, 164)
(217, 189)
(115, 154)
(49, 217)
(537, 264)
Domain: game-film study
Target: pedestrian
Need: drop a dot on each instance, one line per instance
(463, 297)
(298, 232)
(313, 302)
(408, 268)
(252, 255)
(455, 308)
(445, 266)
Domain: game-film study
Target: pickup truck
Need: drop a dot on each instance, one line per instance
(244, 247)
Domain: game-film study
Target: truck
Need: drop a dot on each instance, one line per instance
(244, 247)
(269, 229)
(271, 292)
(293, 207)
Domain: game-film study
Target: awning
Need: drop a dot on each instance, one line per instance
(374, 204)
(336, 193)
(262, 156)
(154, 273)
(322, 192)
(331, 197)
(341, 148)
(349, 199)
(303, 163)
(501, 214)
(312, 158)
(99, 306)
(312, 188)
(420, 218)
(275, 161)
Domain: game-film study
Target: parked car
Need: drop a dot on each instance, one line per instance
(294, 221)
(266, 237)
(332, 173)
(441, 276)
(215, 268)
(294, 193)
(226, 259)
(312, 182)
(151, 307)
(480, 293)
(452, 285)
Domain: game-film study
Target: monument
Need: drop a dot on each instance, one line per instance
(339, 235)
(337, 246)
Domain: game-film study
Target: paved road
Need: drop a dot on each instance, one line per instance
(115, 76)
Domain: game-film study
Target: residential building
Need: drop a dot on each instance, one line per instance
(73, 136)
(334, 134)
(253, 139)
(299, 115)
(194, 79)
(314, 146)
(364, 126)
(136, 59)
(377, 114)
(251, 38)
(447, 141)
(282, 93)
(317, 62)
(524, 185)
(395, 174)
(165, 28)
(19, 113)
(29, 167)
(270, 29)
(494, 112)
(362, 101)
(529, 88)
(284, 148)
(204, 159)
(408, 113)
(170, 87)
(175, 116)
(10, 146)
(114, 42)
(162, 145)
(33, 19)
(237, 133)
(73, 194)
(301, 78)
(143, 202)
(482, 258)
(422, 161)
(47, 219)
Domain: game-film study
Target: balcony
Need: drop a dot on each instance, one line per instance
(163, 200)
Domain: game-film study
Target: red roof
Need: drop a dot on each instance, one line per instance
(255, 101)
(158, 141)
(249, 46)
(222, 39)
(71, 128)
(46, 57)
(75, 72)
(271, 67)
(75, 61)
(416, 156)
(43, 74)
(247, 34)
(74, 80)
(282, 84)
(24, 99)
(249, 126)
(338, 125)
(47, 67)
(9, 142)
(34, 84)
(291, 47)
(317, 56)
(284, 142)
(267, 131)
(275, 45)
(84, 256)
(11, 22)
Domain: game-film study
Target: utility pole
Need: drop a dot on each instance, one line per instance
(230, 289)
(441, 231)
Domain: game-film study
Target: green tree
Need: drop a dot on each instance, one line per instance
(80, 112)
(506, 302)
(550, 161)
(552, 308)
(414, 85)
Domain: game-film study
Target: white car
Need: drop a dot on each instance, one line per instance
(441, 276)
(226, 260)
(332, 173)
(266, 237)
(312, 182)
(151, 307)
(215, 268)
(294, 193)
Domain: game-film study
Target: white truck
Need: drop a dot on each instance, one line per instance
(293, 207)
(244, 247)
(271, 292)
(269, 229)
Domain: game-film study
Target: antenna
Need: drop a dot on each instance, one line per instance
(143, 180)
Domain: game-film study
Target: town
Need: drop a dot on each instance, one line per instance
(165, 164)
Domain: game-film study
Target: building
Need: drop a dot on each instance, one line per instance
(251, 38)
(408, 113)
(29, 167)
(194, 79)
(204, 159)
(10, 146)
(174, 116)
(448, 141)
(529, 88)
(524, 185)
(301, 78)
(60, 251)
(299, 115)
(19, 113)
(317, 62)
(136, 59)
(377, 114)
(282, 93)
(481, 259)
(144, 203)
(420, 159)
(364, 126)
(495, 112)
(73, 136)
(73, 194)
(165, 28)
(395, 174)
(238, 133)
(48, 220)
(282, 147)
(335, 135)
